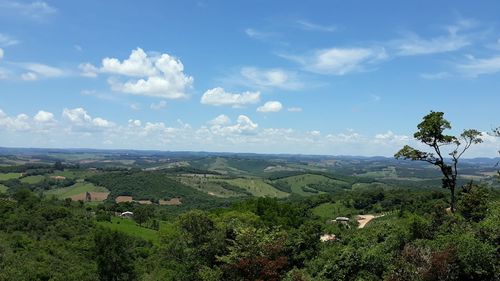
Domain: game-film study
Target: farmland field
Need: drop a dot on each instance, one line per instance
(257, 187)
(75, 189)
(332, 210)
(297, 183)
(74, 174)
(128, 226)
(8, 176)
(33, 179)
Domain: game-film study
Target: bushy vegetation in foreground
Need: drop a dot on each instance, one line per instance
(256, 239)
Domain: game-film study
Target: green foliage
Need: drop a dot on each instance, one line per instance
(114, 256)
(473, 202)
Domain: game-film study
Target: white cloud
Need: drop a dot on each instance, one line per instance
(256, 34)
(220, 120)
(88, 70)
(17, 123)
(134, 123)
(36, 10)
(243, 126)
(275, 78)
(148, 75)
(1, 53)
(6, 40)
(43, 70)
(100, 122)
(43, 116)
(29, 76)
(80, 129)
(139, 64)
(218, 96)
(77, 115)
(390, 136)
(415, 45)
(159, 105)
(270, 106)
(340, 61)
(135, 106)
(80, 117)
(307, 25)
(435, 76)
(474, 67)
(295, 109)
(412, 44)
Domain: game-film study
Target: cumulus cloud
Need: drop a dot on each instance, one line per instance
(80, 129)
(270, 106)
(14, 123)
(134, 123)
(220, 120)
(148, 75)
(340, 61)
(218, 96)
(88, 70)
(44, 116)
(80, 117)
(244, 125)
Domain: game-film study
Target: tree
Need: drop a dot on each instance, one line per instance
(143, 213)
(58, 166)
(114, 257)
(431, 133)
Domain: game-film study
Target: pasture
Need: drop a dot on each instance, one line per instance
(300, 182)
(76, 189)
(33, 179)
(257, 187)
(129, 227)
(9, 176)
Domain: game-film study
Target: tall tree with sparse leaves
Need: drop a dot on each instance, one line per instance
(431, 133)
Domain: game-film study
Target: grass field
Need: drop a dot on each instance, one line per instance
(33, 179)
(3, 188)
(129, 227)
(257, 187)
(209, 185)
(75, 189)
(74, 174)
(332, 210)
(8, 176)
(300, 181)
(368, 186)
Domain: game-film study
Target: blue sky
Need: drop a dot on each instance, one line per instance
(322, 77)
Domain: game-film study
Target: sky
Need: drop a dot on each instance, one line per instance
(301, 77)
